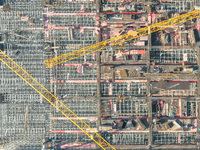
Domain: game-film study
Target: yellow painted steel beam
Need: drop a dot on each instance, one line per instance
(55, 101)
(122, 38)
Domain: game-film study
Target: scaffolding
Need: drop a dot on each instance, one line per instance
(32, 32)
(54, 101)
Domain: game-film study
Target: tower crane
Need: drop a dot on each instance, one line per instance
(84, 51)
(123, 38)
(53, 100)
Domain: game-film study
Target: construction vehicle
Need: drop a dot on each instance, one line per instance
(123, 38)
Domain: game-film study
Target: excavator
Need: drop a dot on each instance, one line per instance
(59, 105)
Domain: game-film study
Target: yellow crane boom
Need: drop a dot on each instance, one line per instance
(122, 38)
(55, 101)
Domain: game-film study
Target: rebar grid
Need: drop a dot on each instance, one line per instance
(126, 138)
(167, 138)
(78, 89)
(176, 6)
(75, 7)
(122, 38)
(54, 101)
(11, 21)
(116, 89)
(73, 72)
(173, 55)
(130, 107)
(82, 107)
(63, 125)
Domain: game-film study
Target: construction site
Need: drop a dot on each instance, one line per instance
(99, 74)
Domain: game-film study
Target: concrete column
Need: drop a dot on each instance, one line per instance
(198, 98)
(148, 52)
(98, 39)
(149, 102)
